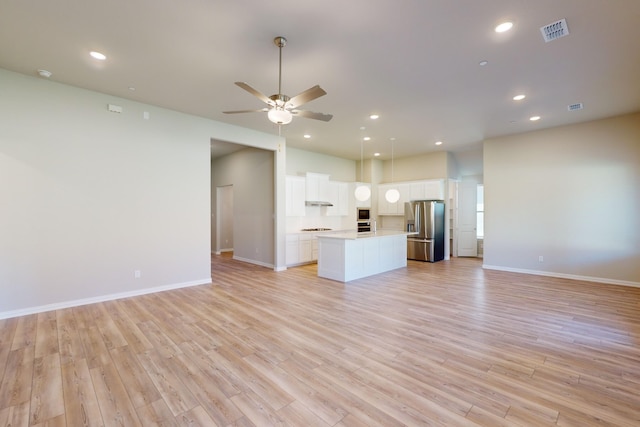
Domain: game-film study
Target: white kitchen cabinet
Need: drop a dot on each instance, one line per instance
(349, 256)
(410, 190)
(417, 191)
(301, 249)
(317, 187)
(314, 248)
(305, 248)
(434, 189)
(292, 257)
(427, 190)
(295, 195)
(384, 207)
(339, 196)
(397, 208)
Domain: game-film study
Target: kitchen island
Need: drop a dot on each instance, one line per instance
(351, 255)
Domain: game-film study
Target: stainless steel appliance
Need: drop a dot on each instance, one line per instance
(364, 214)
(426, 218)
(363, 219)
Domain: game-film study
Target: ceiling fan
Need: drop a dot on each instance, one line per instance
(282, 108)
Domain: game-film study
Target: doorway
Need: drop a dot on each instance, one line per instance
(224, 219)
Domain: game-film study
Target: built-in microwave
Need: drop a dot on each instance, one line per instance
(364, 214)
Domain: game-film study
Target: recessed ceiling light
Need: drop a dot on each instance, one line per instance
(376, 154)
(519, 97)
(374, 116)
(132, 89)
(97, 55)
(306, 136)
(438, 142)
(44, 73)
(366, 138)
(534, 118)
(505, 26)
(483, 63)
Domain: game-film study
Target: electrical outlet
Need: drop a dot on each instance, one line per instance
(540, 258)
(137, 274)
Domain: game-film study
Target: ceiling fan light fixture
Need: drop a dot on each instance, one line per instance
(280, 116)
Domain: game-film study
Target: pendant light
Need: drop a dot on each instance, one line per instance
(363, 192)
(392, 195)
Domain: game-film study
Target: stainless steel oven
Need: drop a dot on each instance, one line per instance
(364, 226)
(363, 219)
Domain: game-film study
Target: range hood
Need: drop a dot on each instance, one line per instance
(317, 203)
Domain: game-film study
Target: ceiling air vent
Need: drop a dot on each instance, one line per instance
(574, 107)
(555, 30)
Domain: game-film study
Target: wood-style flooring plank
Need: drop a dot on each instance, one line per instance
(115, 406)
(47, 400)
(15, 416)
(140, 388)
(444, 343)
(16, 385)
(46, 334)
(80, 401)
(174, 392)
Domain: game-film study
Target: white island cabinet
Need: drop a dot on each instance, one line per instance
(352, 255)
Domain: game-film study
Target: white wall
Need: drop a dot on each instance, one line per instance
(87, 196)
(222, 225)
(427, 166)
(301, 161)
(251, 173)
(570, 194)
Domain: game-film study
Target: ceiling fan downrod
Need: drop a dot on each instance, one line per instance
(280, 42)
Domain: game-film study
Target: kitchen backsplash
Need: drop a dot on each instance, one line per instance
(315, 218)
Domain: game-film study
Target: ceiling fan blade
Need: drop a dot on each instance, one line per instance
(261, 96)
(312, 115)
(306, 96)
(262, 110)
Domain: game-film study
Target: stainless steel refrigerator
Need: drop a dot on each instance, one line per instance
(426, 218)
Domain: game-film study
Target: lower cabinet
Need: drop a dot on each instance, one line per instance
(301, 249)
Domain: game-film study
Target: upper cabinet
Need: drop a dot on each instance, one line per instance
(295, 195)
(413, 190)
(317, 187)
(397, 208)
(338, 196)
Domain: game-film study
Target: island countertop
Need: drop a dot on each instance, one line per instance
(351, 255)
(355, 235)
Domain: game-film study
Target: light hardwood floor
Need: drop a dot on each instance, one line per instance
(433, 344)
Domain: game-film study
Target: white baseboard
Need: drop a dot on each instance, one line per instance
(222, 250)
(102, 298)
(563, 275)
(253, 261)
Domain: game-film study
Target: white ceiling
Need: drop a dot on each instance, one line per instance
(413, 62)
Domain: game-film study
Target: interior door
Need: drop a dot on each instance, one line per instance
(467, 218)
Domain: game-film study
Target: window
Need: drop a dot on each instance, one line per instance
(480, 212)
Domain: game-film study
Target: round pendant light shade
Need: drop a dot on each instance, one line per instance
(362, 193)
(392, 195)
